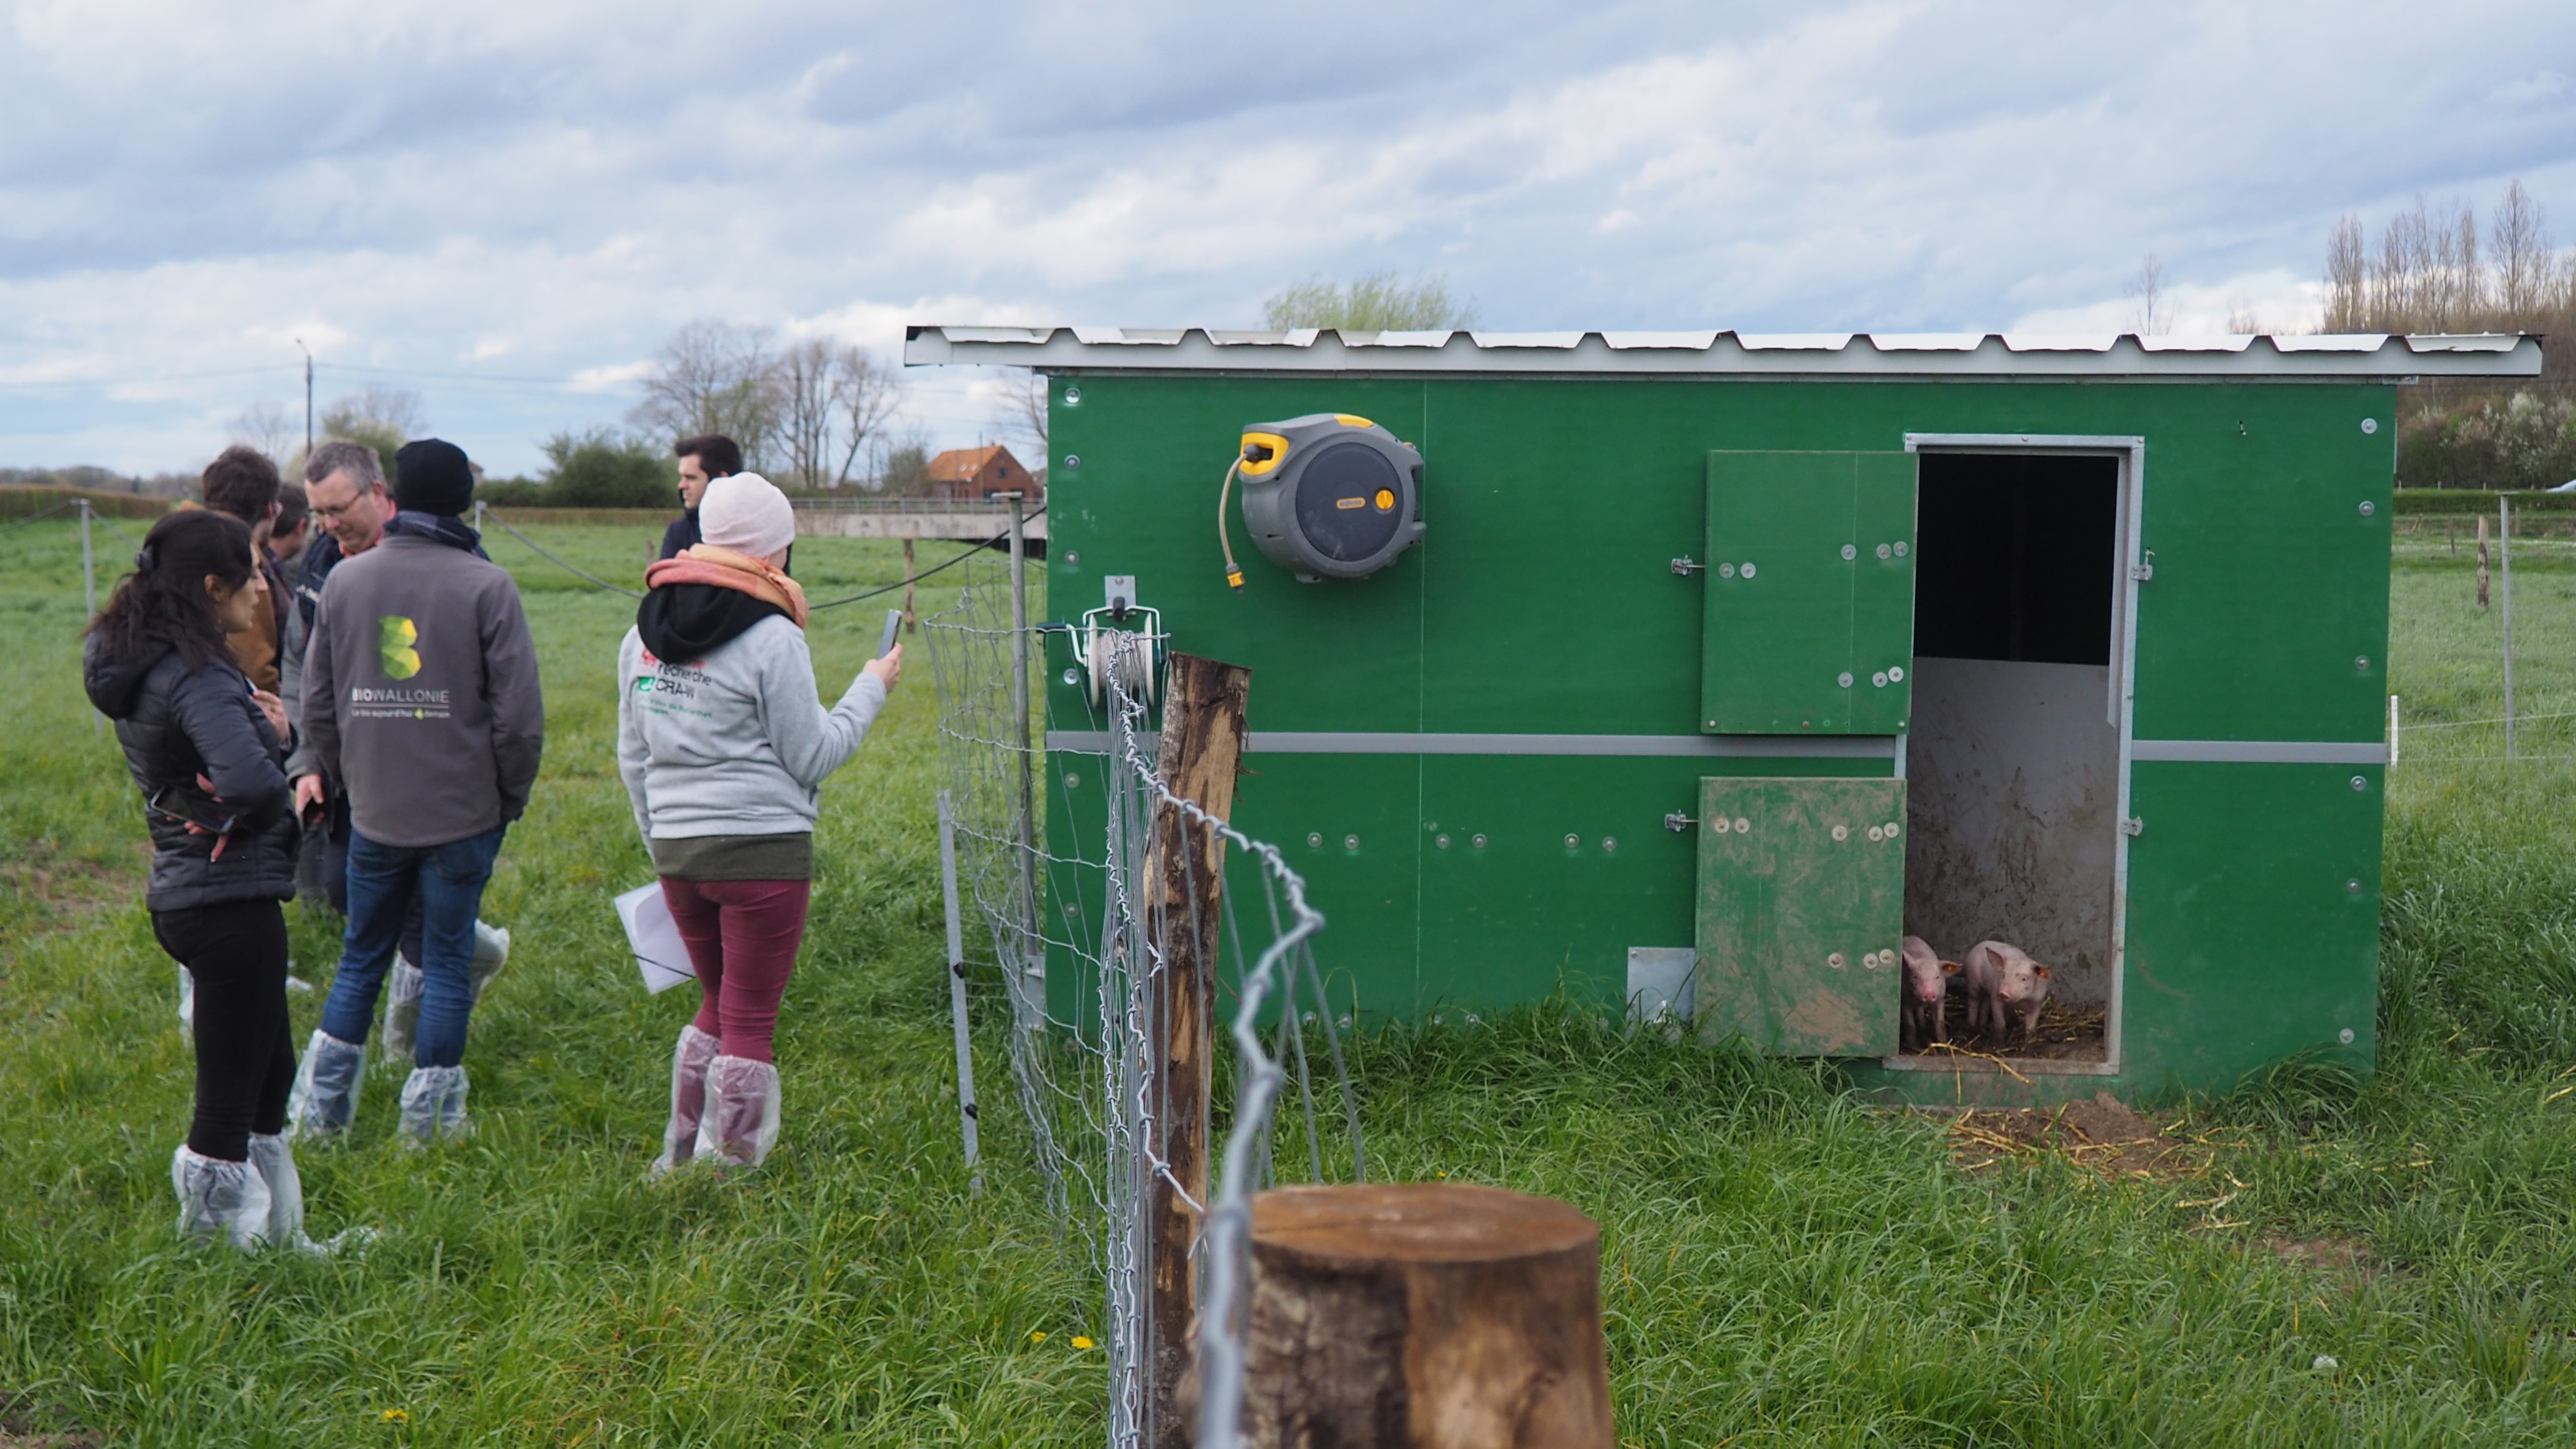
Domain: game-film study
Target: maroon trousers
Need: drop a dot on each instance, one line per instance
(742, 937)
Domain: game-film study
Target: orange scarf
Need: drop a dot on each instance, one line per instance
(726, 569)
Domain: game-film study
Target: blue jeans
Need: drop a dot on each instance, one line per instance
(384, 880)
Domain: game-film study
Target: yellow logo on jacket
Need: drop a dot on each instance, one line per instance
(394, 637)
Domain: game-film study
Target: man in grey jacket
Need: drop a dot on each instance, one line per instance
(421, 697)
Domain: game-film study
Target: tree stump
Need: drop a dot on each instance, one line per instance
(1426, 1316)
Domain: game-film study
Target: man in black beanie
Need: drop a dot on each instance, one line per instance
(421, 698)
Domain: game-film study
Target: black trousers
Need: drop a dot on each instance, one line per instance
(245, 1048)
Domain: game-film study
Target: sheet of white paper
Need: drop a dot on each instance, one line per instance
(659, 952)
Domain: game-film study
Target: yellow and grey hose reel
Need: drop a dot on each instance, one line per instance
(1327, 496)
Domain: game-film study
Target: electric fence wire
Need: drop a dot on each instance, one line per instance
(1080, 940)
(17, 523)
(494, 514)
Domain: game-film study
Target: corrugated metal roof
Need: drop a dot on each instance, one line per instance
(1074, 350)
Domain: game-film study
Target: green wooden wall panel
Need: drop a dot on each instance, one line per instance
(1776, 636)
(1800, 910)
(2253, 927)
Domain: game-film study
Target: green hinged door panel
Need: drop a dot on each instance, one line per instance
(1801, 907)
(1809, 621)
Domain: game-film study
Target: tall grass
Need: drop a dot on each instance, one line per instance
(1781, 1264)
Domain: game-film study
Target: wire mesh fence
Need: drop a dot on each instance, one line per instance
(1079, 926)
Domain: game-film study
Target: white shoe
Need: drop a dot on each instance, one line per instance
(402, 1009)
(219, 1199)
(274, 1160)
(491, 953)
(740, 1123)
(325, 1099)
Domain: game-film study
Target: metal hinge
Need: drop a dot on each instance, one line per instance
(2145, 570)
(1677, 822)
(2133, 826)
(1686, 566)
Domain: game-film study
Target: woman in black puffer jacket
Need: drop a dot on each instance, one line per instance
(207, 750)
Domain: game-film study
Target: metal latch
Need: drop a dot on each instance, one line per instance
(2145, 570)
(1686, 566)
(2133, 826)
(1677, 822)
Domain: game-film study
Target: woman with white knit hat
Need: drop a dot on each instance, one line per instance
(723, 746)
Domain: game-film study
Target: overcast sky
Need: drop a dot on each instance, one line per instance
(506, 206)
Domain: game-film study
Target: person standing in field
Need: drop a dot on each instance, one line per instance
(290, 534)
(703, 459)
(421, 695)
(243, 483)
(724, 748)
(345, 487)
(206, 750)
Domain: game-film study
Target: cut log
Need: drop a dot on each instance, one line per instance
(1425, 1316)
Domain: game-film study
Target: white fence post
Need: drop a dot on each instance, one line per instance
(2392, 731)
(957, 984)
(2504, 557)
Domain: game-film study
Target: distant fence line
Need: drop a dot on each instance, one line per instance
(18, 501)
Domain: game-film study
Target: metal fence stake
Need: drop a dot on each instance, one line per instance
(1020, 717)
(2504, 560)
(957, 985)
(89, 597)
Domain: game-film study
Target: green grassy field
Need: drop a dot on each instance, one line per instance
(1782, 1265)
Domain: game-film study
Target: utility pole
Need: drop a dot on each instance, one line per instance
(308, 396)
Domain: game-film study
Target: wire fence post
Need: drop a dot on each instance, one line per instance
(1203, 730)
(89, 595)
(1021, 638)
(2504, 560)
(2392, 732)
(957, 986)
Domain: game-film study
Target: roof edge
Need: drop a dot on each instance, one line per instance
(1075, 350)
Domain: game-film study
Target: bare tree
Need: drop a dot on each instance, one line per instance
(2524, 258)
(1379, 302)
(866, 395)
(2242, 320)
(2347, 278)
(1022, 410)
(716, 377)
(808, 379)
(267, 427)
(395, 411)
(2152, 315)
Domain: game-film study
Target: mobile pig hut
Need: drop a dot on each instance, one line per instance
(1756, 652)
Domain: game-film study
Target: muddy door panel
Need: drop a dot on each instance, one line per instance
(1801, 909)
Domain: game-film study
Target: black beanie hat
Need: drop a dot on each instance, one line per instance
(432, 476)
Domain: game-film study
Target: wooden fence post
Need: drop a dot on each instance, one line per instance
(1203, 733)
(1426, 1315)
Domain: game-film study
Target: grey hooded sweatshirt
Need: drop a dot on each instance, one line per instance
(735, 742)
(421, 695)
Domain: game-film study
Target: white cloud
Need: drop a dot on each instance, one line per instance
(503, 205)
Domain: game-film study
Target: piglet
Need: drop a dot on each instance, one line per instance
(2002, 976)
(1927, 985)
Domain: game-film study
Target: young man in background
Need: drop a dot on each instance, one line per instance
(292, 533)
(243, 483)
(702, 459)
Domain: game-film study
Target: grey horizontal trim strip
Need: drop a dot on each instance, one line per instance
(1069, 351)
(2260, 752)
(1733, 747)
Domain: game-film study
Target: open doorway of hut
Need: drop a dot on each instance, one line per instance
(2012, 764)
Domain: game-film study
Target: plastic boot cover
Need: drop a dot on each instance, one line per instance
(325, 1100)
(402, 1008)
(491, 953)
(433, 1105)
(218, 1199)
(741, 1121)
(688, 1098)
(188, 997)
(274, 1160)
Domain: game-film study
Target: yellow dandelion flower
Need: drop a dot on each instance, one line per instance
(397, 1416)
(1081, 1342)
(1038, 1337)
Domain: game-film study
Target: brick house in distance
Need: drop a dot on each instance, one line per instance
(976, 475)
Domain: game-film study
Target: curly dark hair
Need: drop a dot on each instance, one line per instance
(164, 601)
(242, 482)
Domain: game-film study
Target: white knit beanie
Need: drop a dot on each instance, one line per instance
(746, 513)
